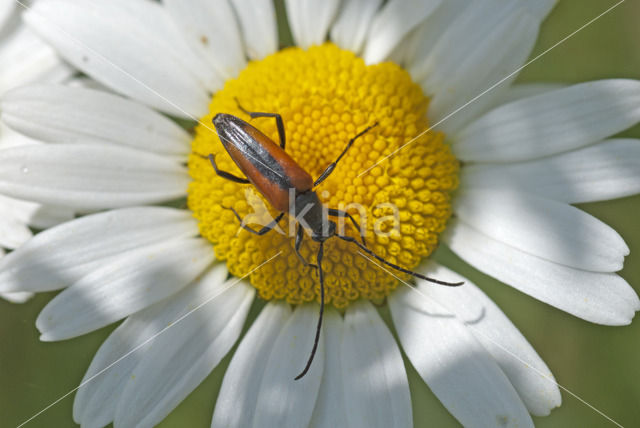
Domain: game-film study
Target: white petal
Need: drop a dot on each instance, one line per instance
(551, 230)
(95, 402)
(154, 19)
(526, 90)
(352, 25)
(551, 123)
(13, 231)
(526, 371)
(481, 49)
(601, 172)
(603, 298)
(376, 389)
(458, 41)
(61, 114)
(282, 401)
(26, 59)
(541, 8)
(11, 138)
(427, 34)
(58, 257)
(131, 282)
(83, 81)
(498, 96)
(90, 177)
(460, 372)
(235, 406)
(212, 31)
(39, 216)
(7, 12)
(330, 410)
(394, 21)
(259, 28)
(33, 214)
(46, 216)
(310, 20)
(129, 56)
(179, 359)
(18, 297)
(400, 52)
(105, 380)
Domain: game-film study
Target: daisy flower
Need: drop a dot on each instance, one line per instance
(494, 180)
(25, 59)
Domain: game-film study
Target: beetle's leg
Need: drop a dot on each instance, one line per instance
(332, 166)
(262, 231)
(319, 327)
(225, 174)
(396, 267)
(279, 122)
(299, 236)
(339, 213)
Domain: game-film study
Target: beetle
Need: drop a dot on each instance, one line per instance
(275, 174)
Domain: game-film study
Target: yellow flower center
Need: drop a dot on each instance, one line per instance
(325, 96)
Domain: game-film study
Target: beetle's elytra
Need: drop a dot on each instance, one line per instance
(275, 174)
(269, 168)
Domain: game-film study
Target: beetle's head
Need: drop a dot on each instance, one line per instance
(328, 230)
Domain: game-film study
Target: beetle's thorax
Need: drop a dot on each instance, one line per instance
(309, 211)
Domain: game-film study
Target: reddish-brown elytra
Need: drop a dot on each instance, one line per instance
(275, 174)
(269, 168)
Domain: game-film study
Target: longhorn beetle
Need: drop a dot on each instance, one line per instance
(274, 173)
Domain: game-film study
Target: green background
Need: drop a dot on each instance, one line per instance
(599, 364)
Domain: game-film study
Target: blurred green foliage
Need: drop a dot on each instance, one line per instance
(599, 364)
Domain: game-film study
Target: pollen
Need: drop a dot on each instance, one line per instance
(396, 180)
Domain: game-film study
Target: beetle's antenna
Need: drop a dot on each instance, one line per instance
(333, 165)
(396, 267)
(317, 339)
